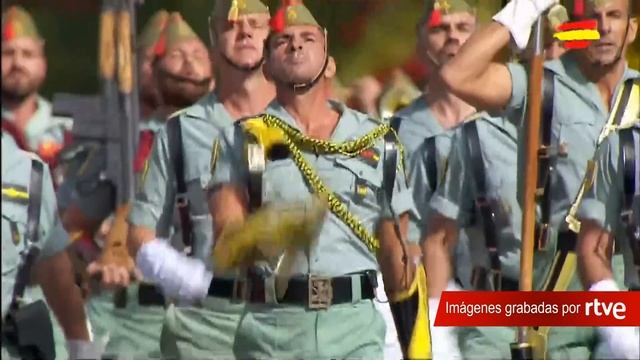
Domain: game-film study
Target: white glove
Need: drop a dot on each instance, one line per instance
(82, 350)
(623, 341)
(444, 341)
(179, 276)
(519, 16)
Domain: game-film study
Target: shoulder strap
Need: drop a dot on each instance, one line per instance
(429, 159)
(389, 165)
(483, 204)
(630, 162)
(174, 134)
(32, 235)
(176, 153)
(255, 161)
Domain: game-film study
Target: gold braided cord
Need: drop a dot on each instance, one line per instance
(295, 140)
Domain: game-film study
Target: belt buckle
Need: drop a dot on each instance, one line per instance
(320, 292)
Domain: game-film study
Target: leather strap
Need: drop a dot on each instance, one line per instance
(176, 154)
(32, 233)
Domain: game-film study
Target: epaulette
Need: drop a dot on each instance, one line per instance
(176, 113)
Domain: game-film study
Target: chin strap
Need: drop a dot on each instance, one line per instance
(308, 85)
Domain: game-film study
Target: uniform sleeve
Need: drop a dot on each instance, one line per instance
(402, 198)
(516, 107)
(227, 164)
(602, 200)
(453, 198)
(53, 236)
(155, 198)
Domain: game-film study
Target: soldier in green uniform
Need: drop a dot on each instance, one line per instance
(479, 193)
(430, 120)
(584, 83)
(25, 114)
(238, 29)
(317, 302)
(132, 318)
(611, 209)
(27, 185)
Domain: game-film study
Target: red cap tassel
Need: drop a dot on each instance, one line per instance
(578, 8)
(277, 21)
(8, 32)
(435, 19)
(161, 46)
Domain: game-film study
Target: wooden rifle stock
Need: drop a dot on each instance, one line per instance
(523, 348)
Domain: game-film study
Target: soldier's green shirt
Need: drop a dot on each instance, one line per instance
(579, 115)
(337, 250)
(155, 201)
(42, 126)
(603, 201)
(16, 175)
(417, 125)
(456, 195)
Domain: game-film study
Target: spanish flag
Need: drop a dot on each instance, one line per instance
(578, 34)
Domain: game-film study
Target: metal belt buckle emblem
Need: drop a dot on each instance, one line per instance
(320, 292)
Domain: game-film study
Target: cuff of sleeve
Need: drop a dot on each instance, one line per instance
(591, 209)
(402, 202)
(518, 77)
(141, 216)
(445, 207)
(605, 285)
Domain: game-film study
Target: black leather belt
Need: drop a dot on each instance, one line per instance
(314, 292)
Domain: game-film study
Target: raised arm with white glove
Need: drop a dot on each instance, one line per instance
(623, 341)
(520, 15)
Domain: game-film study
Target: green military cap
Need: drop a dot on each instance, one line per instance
(292, 13)
(233, 9)
(175, 32)
(17, 23)
(435, 9)
(153, 29)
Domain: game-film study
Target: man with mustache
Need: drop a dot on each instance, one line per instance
(288, 315)
(25, 114)
(585, 82)
(238, 29)
(180, 74)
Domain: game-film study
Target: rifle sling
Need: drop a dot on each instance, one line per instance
(176, 154)
(32, 235)
(485, 208)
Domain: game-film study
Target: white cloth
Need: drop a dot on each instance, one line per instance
(520, 15)
(621, 342)
(392, 349)
(444, 339)
(179, 276)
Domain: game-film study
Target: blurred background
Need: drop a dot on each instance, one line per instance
(366, 36)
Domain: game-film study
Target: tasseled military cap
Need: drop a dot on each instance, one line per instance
(233, 9)
(153, 29)
(175, 32)
(17, 23)
(435, 9)
(292, 13)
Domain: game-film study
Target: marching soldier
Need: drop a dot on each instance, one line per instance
(33, 243)
(611, 209)
(425, 128)
(317, 302)
(479, 193)
(178, 169)
(584, 84)
(181, 70)
(25, 114)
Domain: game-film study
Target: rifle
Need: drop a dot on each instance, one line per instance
(109, 121)
(524, 347)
